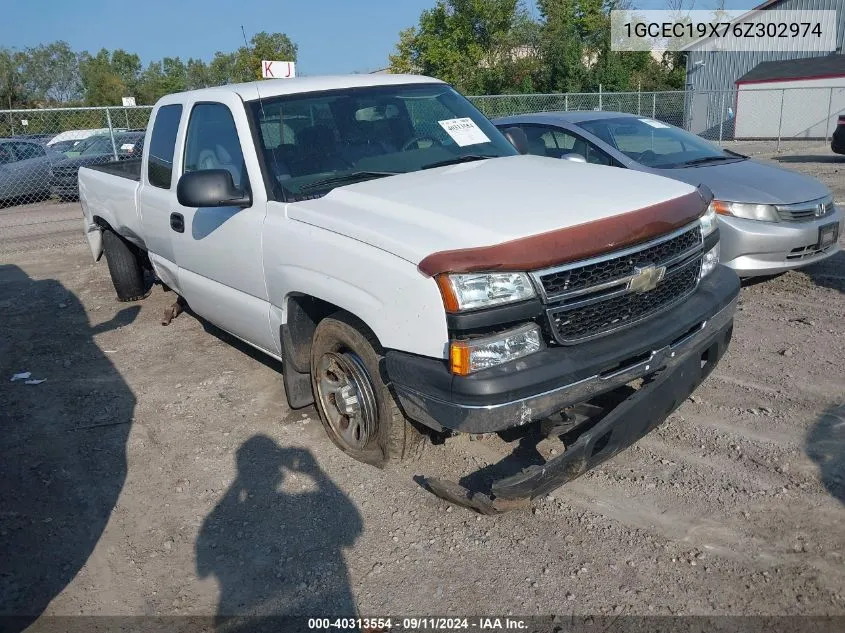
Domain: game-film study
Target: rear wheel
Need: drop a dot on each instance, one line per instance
(355, 403)
(127, 273)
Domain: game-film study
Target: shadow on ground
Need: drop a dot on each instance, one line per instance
(274, 542)
(826, 447)
(810, 158)
(63, 442)
(829, 273)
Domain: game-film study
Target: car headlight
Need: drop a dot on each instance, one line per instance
(763, 212)
(709, 261)
(708, 221)
(468, 356)
(473, 291)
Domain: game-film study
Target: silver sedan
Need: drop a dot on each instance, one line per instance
(771, 219)
(24, 170)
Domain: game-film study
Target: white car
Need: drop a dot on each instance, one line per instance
(414, 273)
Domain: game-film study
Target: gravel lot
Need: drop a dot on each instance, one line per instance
(159, 471)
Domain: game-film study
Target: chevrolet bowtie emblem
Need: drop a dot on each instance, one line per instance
(646, 278)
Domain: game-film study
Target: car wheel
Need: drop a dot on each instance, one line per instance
(356, 404)
(127, 273)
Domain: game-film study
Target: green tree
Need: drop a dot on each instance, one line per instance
(12, 89)
(196, 74)
(263, 45)
(101, 84)
(52, 73)
(476, 45)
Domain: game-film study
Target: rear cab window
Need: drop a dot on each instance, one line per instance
(163, 145)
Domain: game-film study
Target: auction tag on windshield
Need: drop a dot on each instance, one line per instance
(654, 123)
(464, 131)
(127, 147)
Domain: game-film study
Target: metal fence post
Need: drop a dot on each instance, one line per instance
(827, 137)
(721, 116)
(780, 119)
(111, 133)
(566, 102)
(653, 105)
(126, 114)
(600, 101)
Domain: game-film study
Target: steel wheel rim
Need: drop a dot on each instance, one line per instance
(347, 398)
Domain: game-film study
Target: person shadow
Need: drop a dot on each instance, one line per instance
(825, 445)
(275, 541)
(62, 442)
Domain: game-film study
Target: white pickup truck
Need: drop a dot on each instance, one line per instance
(415, 273)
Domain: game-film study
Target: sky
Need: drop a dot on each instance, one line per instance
(334, 36)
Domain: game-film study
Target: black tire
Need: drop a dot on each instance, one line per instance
(125, 268)
(391, 437)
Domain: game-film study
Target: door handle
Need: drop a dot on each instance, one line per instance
(177, 222)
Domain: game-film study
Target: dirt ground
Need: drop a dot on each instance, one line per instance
(159, 471)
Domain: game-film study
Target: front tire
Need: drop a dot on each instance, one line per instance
(356, 405)
(127, 273)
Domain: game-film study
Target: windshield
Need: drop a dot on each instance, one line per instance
(315, 142)
(95, 145)
(103, 145)
(654, 143)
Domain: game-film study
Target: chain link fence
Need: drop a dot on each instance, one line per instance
(748, 113)
(41, 150)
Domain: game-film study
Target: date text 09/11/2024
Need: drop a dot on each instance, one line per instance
(379, 625)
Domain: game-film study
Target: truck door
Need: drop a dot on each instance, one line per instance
(158, 192)
(219, 249)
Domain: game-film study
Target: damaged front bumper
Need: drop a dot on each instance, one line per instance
(672, 356)
(631, 419)
(544, 383)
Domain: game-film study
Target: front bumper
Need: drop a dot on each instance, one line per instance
(540, 385)
(766, 248)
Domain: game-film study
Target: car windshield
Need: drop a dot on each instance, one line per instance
(656, 144)
(315, 142)
(95, 145)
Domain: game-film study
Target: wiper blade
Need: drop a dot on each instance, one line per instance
(345, 179)
(468, 158)
(733, 153)
(709, 159)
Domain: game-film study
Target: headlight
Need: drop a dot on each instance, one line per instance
(763, 212)
(708, 221)
(466, 357)
(483, 290)
(709, 261)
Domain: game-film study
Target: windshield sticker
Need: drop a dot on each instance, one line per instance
(127, 147)
(654, 123)
(464, 131)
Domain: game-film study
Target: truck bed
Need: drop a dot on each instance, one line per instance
(130, 169)
(109, 197)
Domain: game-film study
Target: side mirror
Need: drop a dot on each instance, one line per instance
(211, 188)
(575, 158)
(517, 138)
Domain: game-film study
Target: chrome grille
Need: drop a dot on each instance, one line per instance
(594, 297)
(806, 211)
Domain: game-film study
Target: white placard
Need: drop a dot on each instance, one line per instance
(464, 131)
(654, 123)
(278, 70)
(128, 102)
(127, 147)
(24, 122)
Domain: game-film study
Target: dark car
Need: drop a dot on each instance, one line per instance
(838, 142)
(97, 150)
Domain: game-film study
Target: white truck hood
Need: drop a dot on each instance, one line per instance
(481, 203)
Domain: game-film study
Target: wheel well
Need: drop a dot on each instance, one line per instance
(303, 314)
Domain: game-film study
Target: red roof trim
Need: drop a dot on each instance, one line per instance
(740, 82)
